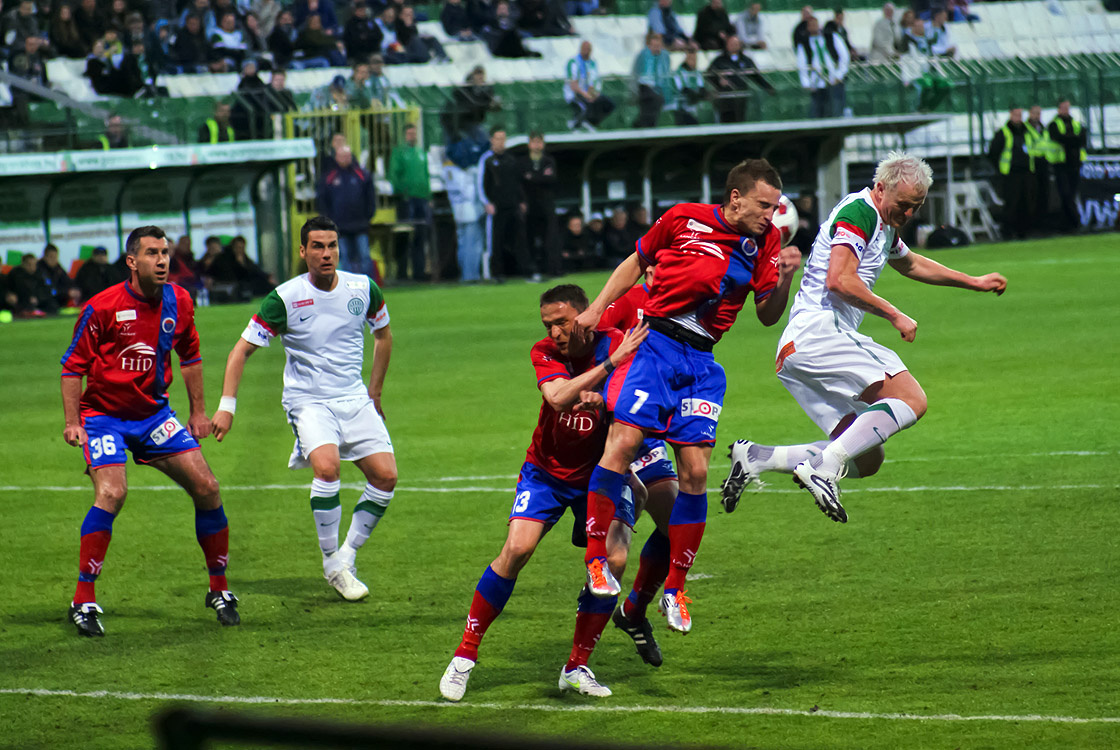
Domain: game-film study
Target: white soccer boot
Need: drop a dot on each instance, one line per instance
(744, 472)
(347, 555)
(454, 681)
(343, 581)
(582, 680)
(675, 609)
(823, 487)
(600, 581)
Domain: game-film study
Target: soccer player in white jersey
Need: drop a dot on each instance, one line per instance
(320, 317)
(857, 391)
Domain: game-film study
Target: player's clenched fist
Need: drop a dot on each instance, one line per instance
(906, 326)
(199, 426)
(789, 260)
(991, 282)
(75, 435)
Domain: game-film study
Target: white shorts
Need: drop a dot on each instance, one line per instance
(826, 368)
(352, 424)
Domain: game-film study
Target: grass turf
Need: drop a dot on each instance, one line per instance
(975, 577)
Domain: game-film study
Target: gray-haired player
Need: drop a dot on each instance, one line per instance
(857, 391)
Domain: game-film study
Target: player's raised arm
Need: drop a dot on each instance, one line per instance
(624, 276)
(771, 307)
(844, 281)
(920, 268)
(564, 393)
(222, 421)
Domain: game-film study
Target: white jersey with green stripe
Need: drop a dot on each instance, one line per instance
(855, 224)
(322, 333)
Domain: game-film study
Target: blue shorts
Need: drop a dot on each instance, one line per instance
(159, 436)
(669, 390)
(542, 497)
(652, 464)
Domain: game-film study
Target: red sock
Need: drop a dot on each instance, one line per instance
(600, 513)
(478, 620)
(91, 556)
(684, 541)
(589, 626)
(216, 549)
(652, 570)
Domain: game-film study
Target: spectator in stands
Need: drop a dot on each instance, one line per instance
(65, 36)
(619, 237)
(217, 128)
(228, 43)
(483, 16)
(267, 13)
(282, 43)
(663, 21)
(205, 13)
(412, 187)
(190, 52)
(303, 10)
(29, 62)
(749, 27)
(256, 47)
(544, 18)
(504, 38)
(842, 54)
(235, 269)
(502, 191)
(465, 116)
(115, 136)
(346, 196)
(249, 111)
(279, 97)
(638, 223)
(539, 178)
(575, 248)
(820, 73)
(456, 21)
(361, 35)
(837, 31)
(91, 22)
(801, 30)
(383, 91)
(391, 48)
(917, 67)
(133, 29)
(959, 11)
(940, 40)
(688, 91)
(418, 48)
(730, 75)
(583, 91)
(333, 96)
(885, 36)
(1071, 139)
(655, 81)
(212, 249)
(595, 237)
(1010, 156)
(460, 176)
(117, 16)
(95, 275)
(32, 296)
(157, 45)
(315, 43)
(1042, 150)
(183, 269)
(62, 288)
(583, 7)
(20, 23)
(713, 26)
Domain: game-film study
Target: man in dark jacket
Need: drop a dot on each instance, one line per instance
(729, 75)
(32, 296)
(713, 27)
(1070, 137)
(62, 287)
(1010, 155)
(361, 35)
(539, 177)
(96, 275)
(347, 197)
(456, 21)
(501, 190)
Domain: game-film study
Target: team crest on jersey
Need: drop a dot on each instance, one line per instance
(748, 246)
(695, 226)
(168, 325)
(302, 303)
(355, 306)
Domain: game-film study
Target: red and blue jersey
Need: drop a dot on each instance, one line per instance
(706, 267)
(122, 346)
(626, 311)
(568, 444)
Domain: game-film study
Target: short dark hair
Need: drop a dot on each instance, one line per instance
(746, 173)
(316, 224)
(536, 134)
(497, 129)
(132, 244)
(51, 247)
(573, 294)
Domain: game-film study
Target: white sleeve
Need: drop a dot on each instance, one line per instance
(256, 333)
(379, 320)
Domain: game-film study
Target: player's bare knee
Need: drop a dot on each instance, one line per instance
(110, 497)
(206, 492)
(386, 481)
(327, 473)
(513, 558)
(918, 404)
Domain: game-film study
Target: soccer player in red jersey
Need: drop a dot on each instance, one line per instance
(568, 440)
(709, 258)
(122, 345)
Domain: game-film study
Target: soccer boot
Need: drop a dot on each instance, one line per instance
(582, 680)
(600, 581)
(642, 633)
(824, 489)
(675, 609)
(86, 620)
(343, 581)
(743, 473)
(454, 681)
(347, 555)
(224, 603)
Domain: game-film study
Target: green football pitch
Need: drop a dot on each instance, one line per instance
(971, 600)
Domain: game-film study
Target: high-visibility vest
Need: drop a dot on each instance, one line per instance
(212, 125)
(1060, 152)
(1005, 157)
(1039, 143)
(104, 142)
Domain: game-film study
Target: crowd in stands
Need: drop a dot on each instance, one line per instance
(39, 287)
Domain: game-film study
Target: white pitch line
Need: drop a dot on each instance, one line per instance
(555, 708)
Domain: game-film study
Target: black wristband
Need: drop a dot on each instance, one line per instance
(607, 365)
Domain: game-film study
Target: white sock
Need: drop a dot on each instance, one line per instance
(327, 512)
(881, 420)
(784, 458)
(369, 510)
